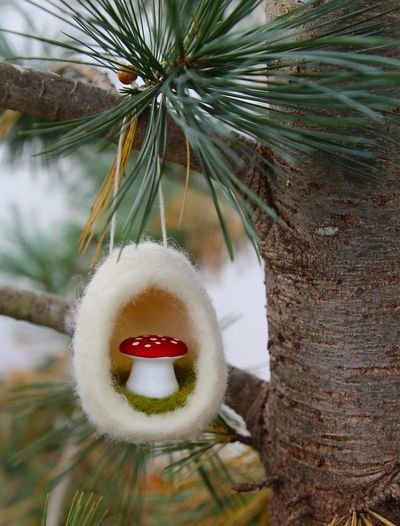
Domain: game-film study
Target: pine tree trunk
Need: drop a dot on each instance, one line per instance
(333, 287)
(333, 410)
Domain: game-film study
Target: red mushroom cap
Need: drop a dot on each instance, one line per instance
(153, 346)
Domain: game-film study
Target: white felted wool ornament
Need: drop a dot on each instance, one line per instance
(148, 291)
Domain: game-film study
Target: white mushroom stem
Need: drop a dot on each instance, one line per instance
(153, 377)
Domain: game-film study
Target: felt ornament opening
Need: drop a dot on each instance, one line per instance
(150, 292)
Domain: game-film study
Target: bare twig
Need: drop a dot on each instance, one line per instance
(244, 487)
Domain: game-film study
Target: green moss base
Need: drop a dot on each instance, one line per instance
(186, 380)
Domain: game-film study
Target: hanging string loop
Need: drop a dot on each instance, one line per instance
(116, 183)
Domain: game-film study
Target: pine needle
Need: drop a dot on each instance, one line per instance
(381, 519)
(17, 511)
(360, 520)
(45, 510)
(70, 457)
(83, 513)
(337, 521)
(186, 181)
(104, 196)
(7, 122)
(366, 520)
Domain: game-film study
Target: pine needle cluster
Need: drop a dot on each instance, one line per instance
(316, 81)
(51, 447)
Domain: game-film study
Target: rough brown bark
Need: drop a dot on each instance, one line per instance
(50, 95)
(334, 323)
(333, 286)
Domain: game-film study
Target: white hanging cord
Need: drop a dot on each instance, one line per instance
(162, 205)
(116, 183)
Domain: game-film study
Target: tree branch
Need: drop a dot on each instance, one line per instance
(246, 394)
(49, 95)
(57, 98)
(40, 308)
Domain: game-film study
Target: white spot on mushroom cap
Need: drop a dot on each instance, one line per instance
(173, 341)
(148, 345)
(135, 343)
(158, 343)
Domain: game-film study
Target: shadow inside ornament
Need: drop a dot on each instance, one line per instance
(155, 311)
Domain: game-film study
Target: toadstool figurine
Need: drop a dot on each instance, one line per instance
(153, 372)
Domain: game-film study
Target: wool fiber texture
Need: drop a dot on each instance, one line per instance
(146, 288)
